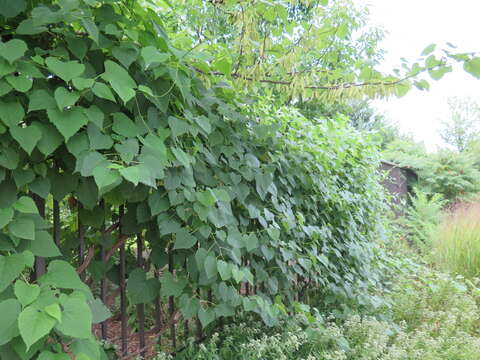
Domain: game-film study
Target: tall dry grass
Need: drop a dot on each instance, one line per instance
(456, 243)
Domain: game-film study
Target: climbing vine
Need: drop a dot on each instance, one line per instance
(110, 145)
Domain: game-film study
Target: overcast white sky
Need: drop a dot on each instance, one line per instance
(412, 25)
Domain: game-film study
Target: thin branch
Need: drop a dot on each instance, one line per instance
(321, 87)
(88, 259)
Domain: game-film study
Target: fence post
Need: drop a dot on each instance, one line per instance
(40, 265)
(123, 295)
(141, 307)
(171, 303)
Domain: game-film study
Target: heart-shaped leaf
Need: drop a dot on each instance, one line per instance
(21, 82)
(65, 98)
(27, 137)
(34, 324)
(82, 83)
(184, 240)
(224, 269)
(13, 50)
(65, 70)
(11, 113)
(26, 293)
(68, 122)
(206, 316)
(237, 274)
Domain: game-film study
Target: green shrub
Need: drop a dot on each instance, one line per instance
(422, 218)
(457, 241)
(433, 316)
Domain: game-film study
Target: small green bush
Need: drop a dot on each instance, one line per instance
(422, 218)
(433, 316)
(457, 241)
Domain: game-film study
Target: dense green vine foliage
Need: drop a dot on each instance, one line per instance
(98, 107)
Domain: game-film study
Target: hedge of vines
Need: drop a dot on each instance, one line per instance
(106, 129)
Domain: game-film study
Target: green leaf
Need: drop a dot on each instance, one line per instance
(100, 312)
(40, 99)
(23, 177)
(65, 98)
(82, 83)
(158, 203)
(141, 290)
(429, 49)
(23, 229)
(11, 113)
(439, 72)
(184, 240)
(54, 311)
(10, 309)
(206, 198)
(237, 274)
(27, 137)
(26, 293)
(204, 123)
(224, 269)
(69, 121)
(151, 55)
(178, 127)
(170, 286)
(87, 349)
(251, 242)
(13, 50)
(126, 54)
(62, 275)
(91, 28)
(40, 186)
(10, 9)
(188, 306)
(26, 205)
(65, 70)
(20, 82)
(210, 266)
(223, 65)
(122, 125)
(8, 159)
(206, 316)
(29, 27)
(127, 149)
(120, 80)
(6, 215)
(11, 266)
(473, 67)
(43, 245)
(103, 91)
(76, 316)
(182, 156)
(51, 138)
(98, 140)
(34, 324)
(133, 173)
(106, 179)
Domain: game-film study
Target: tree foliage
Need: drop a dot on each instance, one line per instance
(463, 125)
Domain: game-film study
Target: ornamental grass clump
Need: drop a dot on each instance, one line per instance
(456, 244)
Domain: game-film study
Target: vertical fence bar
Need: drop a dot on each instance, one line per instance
(186, 324)
(141, 307)
(40, 265)
(103, 282)
(171, 303)
(123, 295)
(81, 240)
(158, 313)
(56, 222)
(198, 323)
